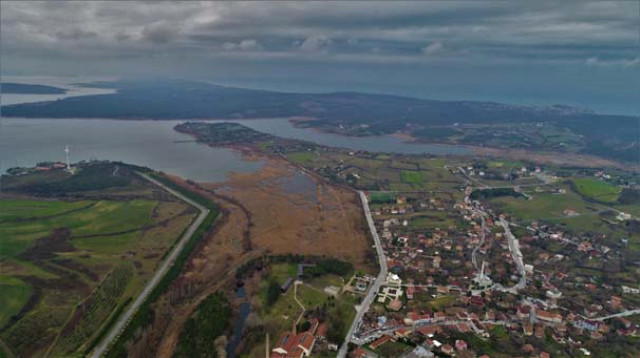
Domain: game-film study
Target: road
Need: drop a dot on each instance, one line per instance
(481, 243)
(516, 255)
(375, 287)
(117, 328)
(621, 314)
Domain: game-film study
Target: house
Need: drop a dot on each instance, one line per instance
(401, 332)
(419, 352)
(554, 293)
(523, 312)
(380, 341)
(548, 317)
(321, 333)
(461, 345)
(363, 353)
(528, 348)
(447, 349)
(290, 345)
(410, 292)
(439, 316)
(589, 325)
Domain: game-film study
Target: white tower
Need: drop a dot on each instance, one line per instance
(67, 151)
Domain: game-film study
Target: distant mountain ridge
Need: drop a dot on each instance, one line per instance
(350, 113)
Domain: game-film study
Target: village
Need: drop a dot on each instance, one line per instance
(472, 281)
(467, 280)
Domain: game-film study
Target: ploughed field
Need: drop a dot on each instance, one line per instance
(71, 262)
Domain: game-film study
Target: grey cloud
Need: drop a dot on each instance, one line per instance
(314, 44)
(432, 48)
(396, 29)
(160, 32)
(75, 34)
(595, 61)
(244, 45)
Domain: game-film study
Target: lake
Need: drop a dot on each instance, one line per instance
(283, 128)
(25, 142)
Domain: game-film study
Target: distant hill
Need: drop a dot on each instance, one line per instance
(359, 114)
(20, 88)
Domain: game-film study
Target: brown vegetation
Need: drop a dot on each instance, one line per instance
(260, 214)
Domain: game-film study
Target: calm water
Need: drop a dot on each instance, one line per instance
(25, 142)
(68, 83)
(283, 128)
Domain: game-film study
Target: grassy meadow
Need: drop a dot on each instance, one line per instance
(70, 265)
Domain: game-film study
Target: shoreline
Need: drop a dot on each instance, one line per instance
(540, 157)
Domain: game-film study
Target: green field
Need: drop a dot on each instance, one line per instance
(301, 157)
(381, 197)
(108, 249)
(88, 218)
(410, 176)
(14, 294)
(22, 209)
(542, 206)
(597, 190)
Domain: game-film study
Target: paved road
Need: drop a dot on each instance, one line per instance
(375, 287)
(516, 255)
(482, 239)
(101, 349)
(621, 314)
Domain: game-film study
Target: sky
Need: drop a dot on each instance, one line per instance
(530, 52)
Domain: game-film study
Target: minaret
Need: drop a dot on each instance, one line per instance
(482, 271)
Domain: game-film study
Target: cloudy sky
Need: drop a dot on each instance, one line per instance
(580, 53)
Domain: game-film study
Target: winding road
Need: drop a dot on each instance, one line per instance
(122, 322)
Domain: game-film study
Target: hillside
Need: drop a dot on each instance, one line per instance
(20, 88)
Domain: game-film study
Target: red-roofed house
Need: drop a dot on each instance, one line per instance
(290, 345)
(548, 316)
(380, 341)
(447, 349)
(461, 345)
(321, 333)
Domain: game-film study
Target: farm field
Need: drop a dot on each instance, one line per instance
(573, 211)
(15, 294)
(69, 265)
(597, 189)
(379, 172)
